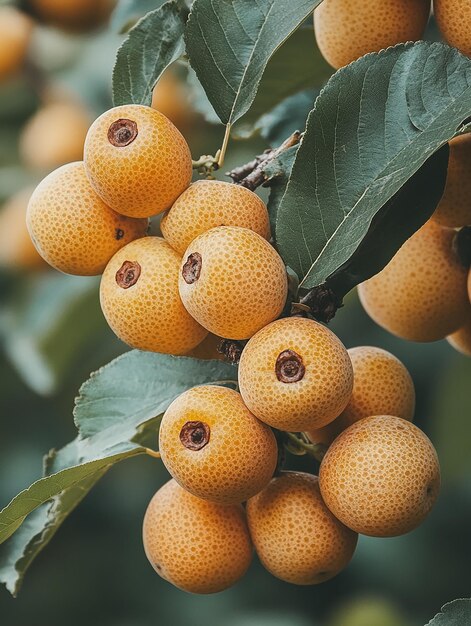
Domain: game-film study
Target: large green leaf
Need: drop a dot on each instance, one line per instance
(150, 47)
(230, 42)
(117, 414)
(373, 126)
(455, 613)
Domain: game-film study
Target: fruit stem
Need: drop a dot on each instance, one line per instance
(221, 155)
(153, 453)
(321, 303)
(302, 444)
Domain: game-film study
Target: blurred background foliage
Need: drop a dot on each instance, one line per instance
(52, 334)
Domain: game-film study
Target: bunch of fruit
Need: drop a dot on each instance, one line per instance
(213, 274)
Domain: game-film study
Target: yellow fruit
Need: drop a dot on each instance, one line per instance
(382, 386)
(137, 161)
(73, 15)
(381, 476)
(208, 349)
(198, 546)
(295, 535)
(207, 204)
(72, 228)
(170, 97)
(15, 35)
(214, 447)
(421, 294)
(454, 209)
(295, 375)
(16, 248)
(139, 298)
(54, 136)
(454, 21)
(461, 339)
(346, 29)
(233, 282)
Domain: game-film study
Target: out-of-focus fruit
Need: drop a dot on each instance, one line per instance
(15, 36)
(73, 15)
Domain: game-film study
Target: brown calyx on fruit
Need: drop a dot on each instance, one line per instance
(289, 367)
(128, 274)
(122, 132)
(192, 269)
(195, 435)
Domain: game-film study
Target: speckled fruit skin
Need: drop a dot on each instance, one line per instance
(149, 315)
(54, 135)
(240, 457)
(346, 30)
(461, 339)
(73, 15)
(454, 21)
(421, 294)
(382, 386)
(242, 286)
(15, 35)
(207, 204)
(314, 400)
(72, 228)
(381, 476)
(146, 176)
(295, 535)
(454, 209)
(198, 546)
(16, 248)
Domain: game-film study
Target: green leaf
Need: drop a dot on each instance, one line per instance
(150, 47)
(230, 42)
(455, 613)
(117, 414)
(277, 173)
(374, 125)
(288, 116)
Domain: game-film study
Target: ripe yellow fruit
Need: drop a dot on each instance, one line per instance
(214, 447)
(461, 339)
(15, 35)
(454, 209)
(421, 294)
(16, 248)
(346, 29)
(137, 161)
(295, 535)
(207, 204)
(73, 15)
(454, 21)
(54, 135)
(381, 476)
(139, 298)
(72, 228)
(198, 546)
(233, 282)
(295, 375)
(382, 386)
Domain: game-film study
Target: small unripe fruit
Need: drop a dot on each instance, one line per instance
(214, 447)
(233, 282)
(346, 29)
(139, 298)
(461, 339)
(207, 204)
(295, 535)
(198, 546)
(421, 294)
(15, 35)
(73, 15)
(137, 160)
(382, 386)
(295, 375)
(381, 476)
(16, 248)
(72, 228)
(54, 136)
(454, 209)
(454, 21)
